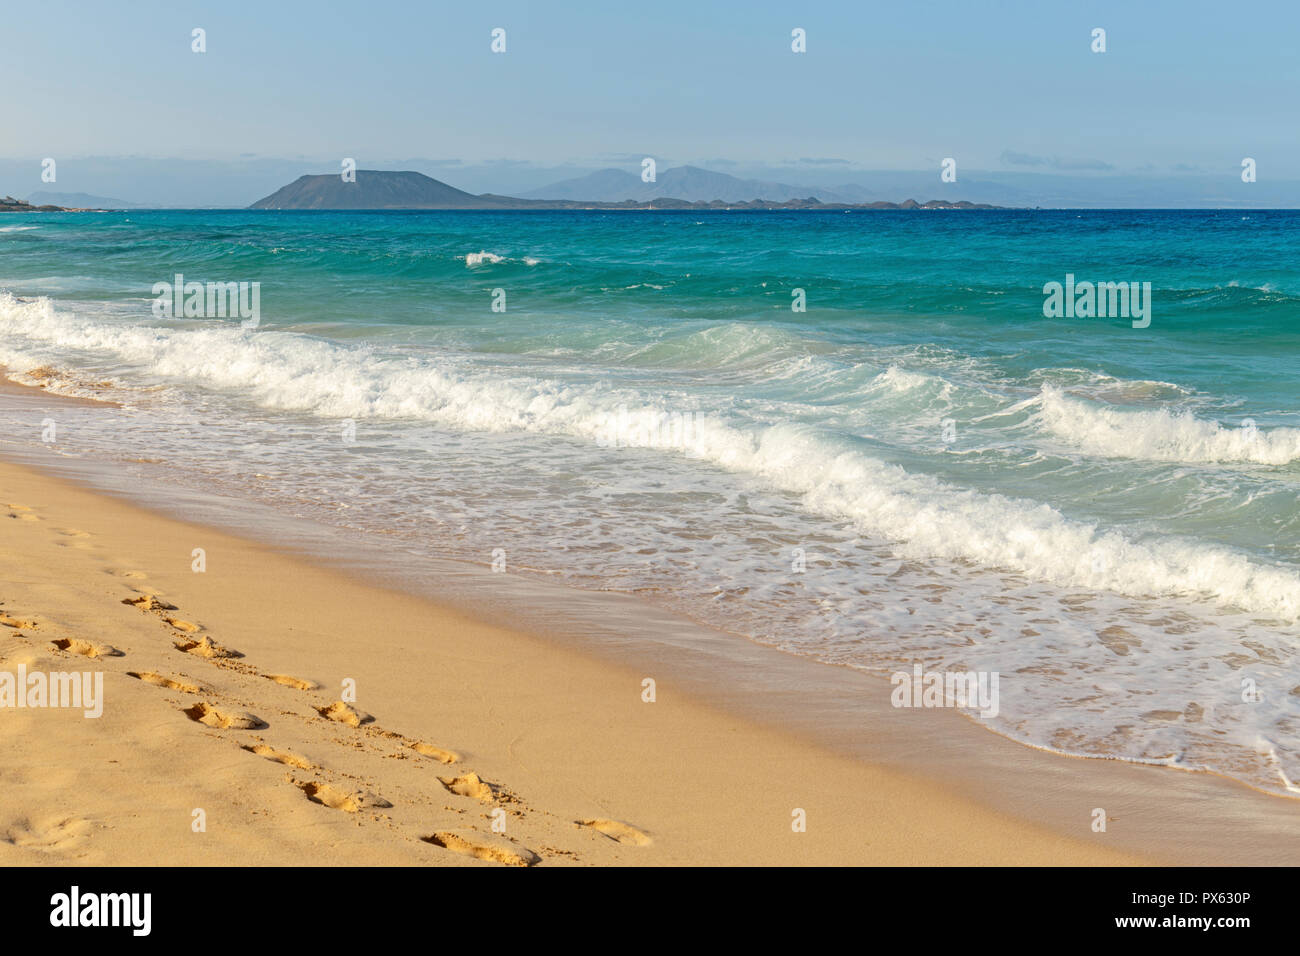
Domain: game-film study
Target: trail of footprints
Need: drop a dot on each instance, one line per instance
(470, 842)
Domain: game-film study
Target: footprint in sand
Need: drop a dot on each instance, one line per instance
(470, 785)
(49, 834)
(153, 603)
(297, 683)
(22, 512)
(349, 801)
(8, 621)
(79, 545)
(620, 832)
(158, 680)
(437, 753)
(205, 647)
(344, 714)
(279, 756)
(149, 602)
(223, 719)
(86, 648)
(482, 846)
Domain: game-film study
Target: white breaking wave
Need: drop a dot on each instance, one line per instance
(1161, 435)
(483, 257)
(901, 380)
(927, 517)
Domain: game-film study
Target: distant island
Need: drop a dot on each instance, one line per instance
(384, 189)
(79, 201)
(10, 204)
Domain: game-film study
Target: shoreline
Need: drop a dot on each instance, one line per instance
(779, 732)
(558, 737)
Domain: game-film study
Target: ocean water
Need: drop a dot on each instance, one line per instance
(919, 468)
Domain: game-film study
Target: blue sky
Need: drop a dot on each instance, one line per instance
(1184, 87)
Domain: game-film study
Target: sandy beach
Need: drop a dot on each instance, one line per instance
(548, 736)
(225, 737)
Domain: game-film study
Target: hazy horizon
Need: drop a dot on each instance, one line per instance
(192, 183)
(1016, 95)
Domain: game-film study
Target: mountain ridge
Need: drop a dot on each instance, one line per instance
(691, 183)
(78, 201)
(391, 189)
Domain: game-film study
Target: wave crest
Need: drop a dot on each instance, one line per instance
(1161, 435)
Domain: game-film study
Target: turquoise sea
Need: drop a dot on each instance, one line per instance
(918, 468)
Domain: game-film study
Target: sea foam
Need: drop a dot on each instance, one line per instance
(1161, 435)
(832, 477)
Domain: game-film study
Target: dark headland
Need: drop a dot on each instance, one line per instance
(10, 204)
(383, 189)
